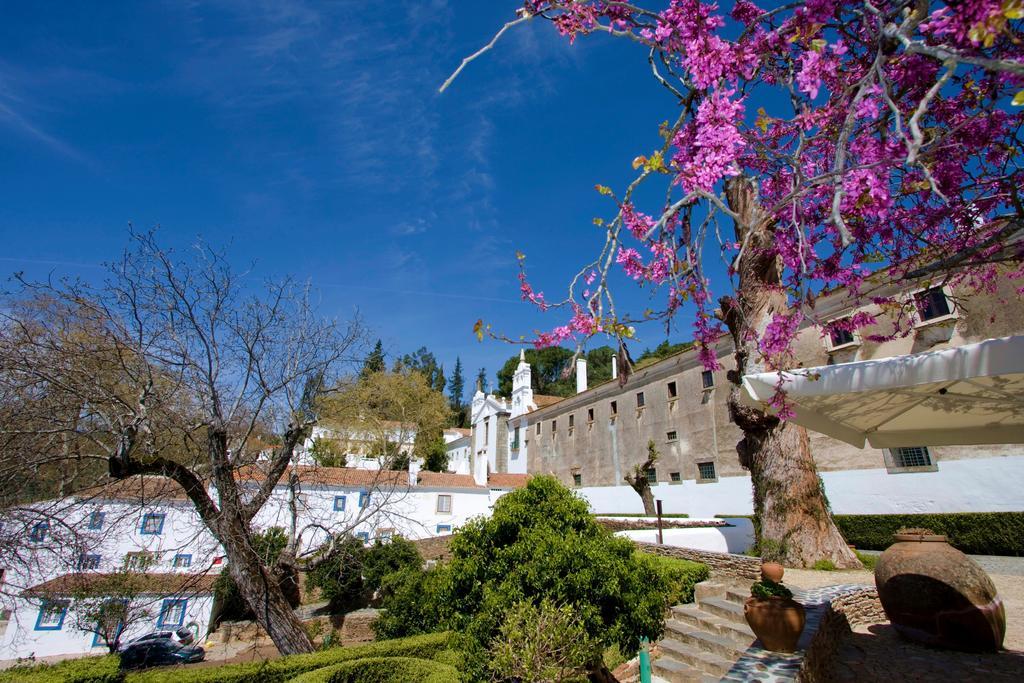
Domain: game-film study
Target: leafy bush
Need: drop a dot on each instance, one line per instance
(383, 670)
(540, 643)
(268, 545)
(353, 573)
(84, 670)
(975, 533)
(287, 668)
(541, 542)
(869, 561)
(681, 576)
(387, 558)
(824, 565)
(769, 589)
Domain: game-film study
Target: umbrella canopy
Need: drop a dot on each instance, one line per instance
(972, 394)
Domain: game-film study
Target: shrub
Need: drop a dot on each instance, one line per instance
(387, 558)
(540, 643)
(383, 670)
(975, 533)
(680, 575)
(541, 541)
(824, 565)
(84, 670)
(769, 589)
(287, 668)
(340, 576)
(869, 561)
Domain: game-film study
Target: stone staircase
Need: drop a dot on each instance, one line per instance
(704, 640)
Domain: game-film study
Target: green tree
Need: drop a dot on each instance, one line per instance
(430, 448)
(327, 453)
(456, 386)
(339, 577)
(662, 350)
(424, 362)
(374, 362)
(481, 380)
(540, 643)
(268, 545)
(541, 542)
(553, 372)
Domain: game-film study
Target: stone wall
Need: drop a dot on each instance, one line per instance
(841, 615)
(435, 548)
(722, 565)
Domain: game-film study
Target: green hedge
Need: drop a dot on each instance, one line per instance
(384, 670)
(975, 533)
(681, 576)
(287, 668)
(84, 670)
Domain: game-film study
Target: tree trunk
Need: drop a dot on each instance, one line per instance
(792, 524)
(647, 497)
(264, 596)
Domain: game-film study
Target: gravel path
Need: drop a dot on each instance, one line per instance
(993, 564)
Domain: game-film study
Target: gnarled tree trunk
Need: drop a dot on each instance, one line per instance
(641, 484)
(792, 522)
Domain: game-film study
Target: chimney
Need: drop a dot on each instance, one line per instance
(581, 375)
(615, 366)
(480, 468)
(414, 471)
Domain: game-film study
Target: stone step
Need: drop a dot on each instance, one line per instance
(674, 671)
(737, 595)
(695, 617)
(720, 607)
(723, 646)
(706, 662)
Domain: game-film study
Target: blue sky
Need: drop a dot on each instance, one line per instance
(310, 139)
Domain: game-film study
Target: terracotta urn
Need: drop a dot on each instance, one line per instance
(777, 622)
(772, 571)
(935, 595)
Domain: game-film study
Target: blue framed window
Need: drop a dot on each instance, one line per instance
(88, 561)
(339, 503)
(96, 520)
(153, 523)
(172, 613)
(363, 536)
(51, 615)
(364, 498)
(444, 528)
(38, 532)
(182, 560)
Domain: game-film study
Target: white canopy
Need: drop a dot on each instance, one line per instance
(972, 394)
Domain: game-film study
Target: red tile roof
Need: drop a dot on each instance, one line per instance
(500, 480)
(542, 401)
(142, 488)
(447, 480)
(152, 584)
(332, 476)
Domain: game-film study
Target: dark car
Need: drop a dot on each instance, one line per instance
(159, 652)
(182, 636)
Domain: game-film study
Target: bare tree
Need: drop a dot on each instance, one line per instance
(638, 479)
(173, 368)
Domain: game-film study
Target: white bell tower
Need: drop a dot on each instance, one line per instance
(522, 387)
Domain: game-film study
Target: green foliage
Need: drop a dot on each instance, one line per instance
(327, 453)
(824, 565)
(681, 576)
(869, 561)
(383, 559)
(340, 576)
(662, 350)
(641, 514)
(84, 670)
(268, 545)
(545, 642)
(287, 668)
(549, 368)
(374, 362)
(456, 389)
(431, 449)
(424, 362)
(769, 589)
(384, 670)
(974, 533)
(541, 542)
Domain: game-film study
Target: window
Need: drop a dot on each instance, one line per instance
(577, 479)
(385, 534)
(652, 476)
(572, 422)
(182, 560)
(910, 457)
(839, 336)
(38, 532)
(639, 399)
(96, 520)
(51, 615)
(364, 499)
(363, 536)
(614, 408)
(590, 414)
(707, 379)
(172, 613)
(87, 561)
(444, 504)
(152, 523)
(554, 427)
(339, 503)
(139, 561)
(706, 471)
(675, 477)
(487, 431)
(444, 528)
(671, 436)
(515, 440)
(932, 303)
(538, 429)
(672, 391)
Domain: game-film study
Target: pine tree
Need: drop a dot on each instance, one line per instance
(374, 362)
(481, 380)
(456, 386)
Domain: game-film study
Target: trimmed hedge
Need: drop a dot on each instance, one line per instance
(974, 533)
(84, 670)
(384, 670)
(681, 576)
(287, 668)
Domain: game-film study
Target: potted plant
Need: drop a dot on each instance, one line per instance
(774, 616)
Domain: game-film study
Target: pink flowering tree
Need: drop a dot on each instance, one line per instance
(893, 141)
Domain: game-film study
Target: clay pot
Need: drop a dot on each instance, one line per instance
(777, 622)
(772, 571)
(936, 595)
